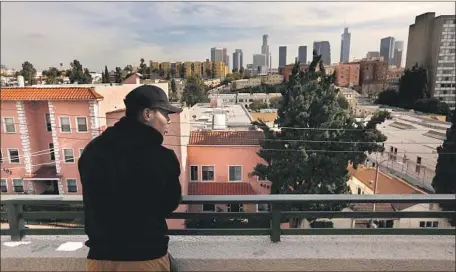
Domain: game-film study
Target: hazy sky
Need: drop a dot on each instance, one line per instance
(117, 34)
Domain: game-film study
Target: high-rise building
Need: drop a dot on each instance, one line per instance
(265, 49)
(431, 43)
(372, 54)
(323, 48)
(259, 65)
(218, 54)
(387, 49)
(302, 54)
(398, 49)
(282, 56)
(238, 56)
(345, 46)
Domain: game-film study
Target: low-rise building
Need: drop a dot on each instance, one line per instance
(347, 74)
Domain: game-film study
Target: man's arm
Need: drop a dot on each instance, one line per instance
(173, 190)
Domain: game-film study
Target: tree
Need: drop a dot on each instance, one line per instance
(312, 159)
(182, 71)
(257, 105)
(413, 86)
(29, 73)
(274, 102)
(173, 95)
(241, 71)
(388, 97)
(142, 67)
(209, 73)
(128, 69)
(445, 170)
(235, 70)
(194, 91)
(79, 74)
(51, 75)
(432, 105)
(118, 75)
(107, 76)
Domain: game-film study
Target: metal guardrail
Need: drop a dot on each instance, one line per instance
(16, 216)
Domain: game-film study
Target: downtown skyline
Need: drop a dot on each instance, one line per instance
(115, 34)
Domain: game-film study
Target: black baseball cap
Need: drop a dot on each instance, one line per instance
(149, 96)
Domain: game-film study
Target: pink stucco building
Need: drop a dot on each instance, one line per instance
(44, 131)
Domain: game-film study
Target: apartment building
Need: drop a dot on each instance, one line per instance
(347, 74)
(432, 43)
(373, 73)
(44, 131)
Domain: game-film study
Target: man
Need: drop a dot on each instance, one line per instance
(130, 185)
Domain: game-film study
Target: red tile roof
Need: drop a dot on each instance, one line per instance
(220, 188)
(49, 93)
(116, 111)
(226, 137)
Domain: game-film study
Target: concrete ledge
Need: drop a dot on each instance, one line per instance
(254, 253)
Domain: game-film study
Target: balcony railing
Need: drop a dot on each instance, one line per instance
(16, 216)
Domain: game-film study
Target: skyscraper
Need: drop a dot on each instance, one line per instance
(265, 49)
(398, 49)
(302, 54)
(323, 48)
(387, 49)
(238, 56)
(372, 54)
(259, 64)
(217, 54)
(431, 44)
(345, 46)
(282, 56)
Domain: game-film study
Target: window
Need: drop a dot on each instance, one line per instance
(3, 186)
(18, 185)
(9, 126)
(193, 173)
(360, 191)
(385, 224)
(429, 224)
(51, 151)
(208, 207)
(13, 155)
(235, 173)
(82, 124)
(264, 207)
(72, 186)
(65, 125)
(1, 156)
(235, 208)
(48, 122)
(68, 155)
(207, 173)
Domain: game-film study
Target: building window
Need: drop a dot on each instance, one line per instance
(72, 186)
(68, 155)
(65, 125)
(418, 164)
(429, 224)
(3, 186)
(208, 207)
(360, 191)
(48, 122)
(384, 224)
(264, 207)
(82, 124)
(235, 208)
(1, 156)
(193, 173)
(51, 151)
(207, 173)
(13, 155)
(235, 173)
(18, 185)
(9, 126)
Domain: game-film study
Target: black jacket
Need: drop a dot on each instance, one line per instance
(130, 185)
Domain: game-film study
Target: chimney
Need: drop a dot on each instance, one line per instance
(20, 81)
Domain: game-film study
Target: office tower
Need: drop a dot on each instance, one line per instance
(387, 49)
(259, 64)
(345, 46)
(431, 43)
(398, 49)
(265, 49)
(282, 56)
(217, 54)
(302, 54)
(323, 48)
(238, 59)
(372, 54)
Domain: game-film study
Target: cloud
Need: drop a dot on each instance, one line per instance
(120, 33)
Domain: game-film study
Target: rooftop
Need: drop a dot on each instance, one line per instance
(236, 115)
(226, 137)
(46, 93)
(264, 116)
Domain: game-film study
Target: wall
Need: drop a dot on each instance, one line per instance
(415, 222)
(347, 74)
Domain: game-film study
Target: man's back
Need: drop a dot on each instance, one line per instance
(130, 185)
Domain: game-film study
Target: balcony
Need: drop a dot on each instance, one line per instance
(255, 249)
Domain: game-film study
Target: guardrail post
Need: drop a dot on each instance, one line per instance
(15, 220)
(275, 222)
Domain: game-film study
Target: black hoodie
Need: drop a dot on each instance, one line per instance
(130, 185)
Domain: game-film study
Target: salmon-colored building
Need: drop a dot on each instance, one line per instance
(44, 131)
(347, 74)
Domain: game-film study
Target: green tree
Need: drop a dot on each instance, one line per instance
(431, 105)
(79, 74)
(413, 85)
(29, 73)
(194, 91)
(311, 160)
(182, 71)
(51, 75)
(142, 67)
(389, 97)
(209, 73)
(173, 95)
(118, 75)
(257, 105)
(445, 170)
(274, 102)
(106, 75)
